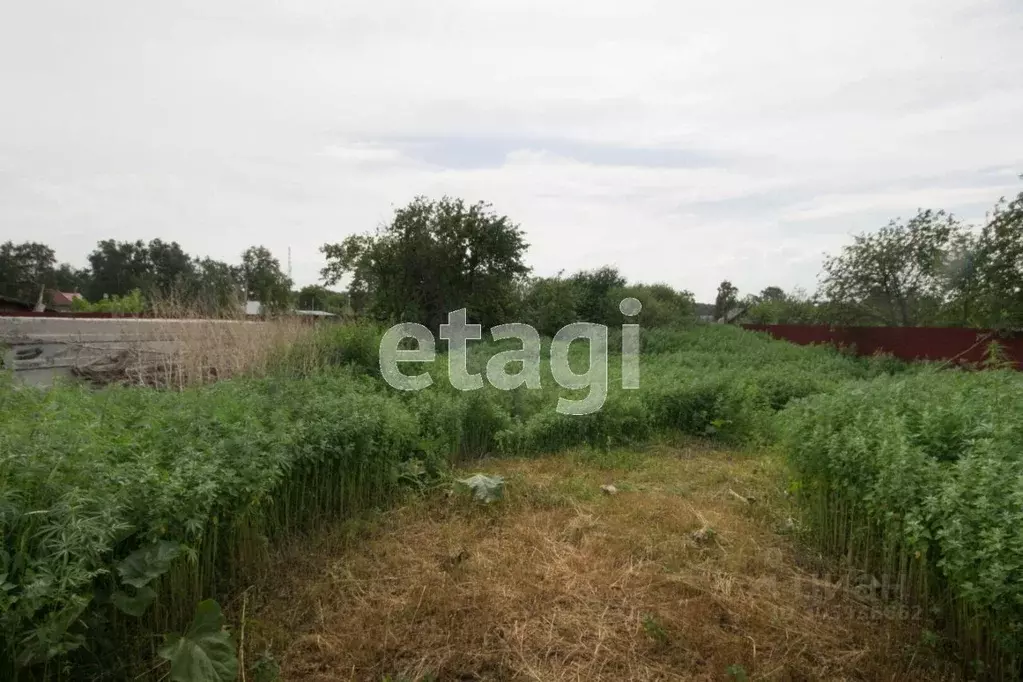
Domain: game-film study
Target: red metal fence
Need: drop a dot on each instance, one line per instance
(907, 343)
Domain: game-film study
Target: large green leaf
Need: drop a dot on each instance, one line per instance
(143, 565)
(484, 488)
(137, 605)
(205, 653)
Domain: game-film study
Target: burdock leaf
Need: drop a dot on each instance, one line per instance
(205, 653)
(137, 605)
(143, 565)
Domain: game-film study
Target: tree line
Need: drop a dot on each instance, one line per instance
(438, 256)
(930, 270)
(156, 271)
(435, 256)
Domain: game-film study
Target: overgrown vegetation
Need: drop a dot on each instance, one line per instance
(919, 480)
(91, 477)
(910, 472)
(129, 304)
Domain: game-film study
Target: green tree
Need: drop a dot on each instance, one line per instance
(264, 280)
(772, 294)
(172, 271)
(897, 275)
(217, 288)
(316, 297)
(549, 303)
(118, 268)
(663, 306)
(158, 269)
(772, 307)
(432, 258)
(25, 269)
(998, 264)
(594, 288)
(727, 299)
(69, 278)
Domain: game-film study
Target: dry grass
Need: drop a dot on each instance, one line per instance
(677, 577)
(189, 350)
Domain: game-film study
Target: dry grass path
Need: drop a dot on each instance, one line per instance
(690, 572)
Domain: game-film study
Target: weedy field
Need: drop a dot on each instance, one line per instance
(138, 523)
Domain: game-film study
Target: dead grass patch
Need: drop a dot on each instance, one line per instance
(673, 578)
(190, 351)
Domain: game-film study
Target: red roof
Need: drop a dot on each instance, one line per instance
(63, 298)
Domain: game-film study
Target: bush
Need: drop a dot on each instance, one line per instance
(130, 304)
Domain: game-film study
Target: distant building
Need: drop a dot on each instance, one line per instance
(253, 308)
(9, 305)
(14, 305)
(63, 301)
(734, 314)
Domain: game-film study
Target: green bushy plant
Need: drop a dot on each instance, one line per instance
(919, 479)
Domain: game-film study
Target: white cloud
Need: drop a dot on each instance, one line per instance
(359, 152)
(223, 123)
(851, 204)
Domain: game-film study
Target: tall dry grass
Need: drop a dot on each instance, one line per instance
(184, 346)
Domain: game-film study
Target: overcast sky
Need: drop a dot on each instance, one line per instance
(683, 142)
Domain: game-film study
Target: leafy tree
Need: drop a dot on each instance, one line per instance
(217, 288)
(158, 269)
(117, 268)
(998, 264)
(432, 258)
(663, 306)
(549, 303)
(772, 294)
(962, 283)
(594, 287)
(726, 300)
(172, 271)
(25, 269)
(69, 278)
(894, 276)
(264, 280)
(316, 297)
(796, 307)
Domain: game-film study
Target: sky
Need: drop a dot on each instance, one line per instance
(682, 142)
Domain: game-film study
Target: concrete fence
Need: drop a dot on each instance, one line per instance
(42, 348)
